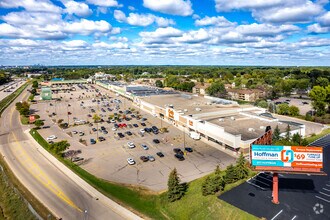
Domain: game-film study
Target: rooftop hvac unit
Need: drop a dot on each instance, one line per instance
(198, 109)
(221, 119)
(251, 129)
(232, 118)
(185, 110)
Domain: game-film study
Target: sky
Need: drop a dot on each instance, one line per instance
(165, 32)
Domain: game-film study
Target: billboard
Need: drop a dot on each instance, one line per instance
(287, 156)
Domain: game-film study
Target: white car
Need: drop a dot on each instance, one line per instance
(130, 161)
(113, 121)
(142, 131)
(114, 129)
(74, 132)
(130, 144)
(51, 137)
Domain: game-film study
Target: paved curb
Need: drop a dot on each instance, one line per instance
(125, 213)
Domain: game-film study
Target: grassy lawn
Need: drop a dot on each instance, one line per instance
(315, 137)
(192, 206)
(24, 120)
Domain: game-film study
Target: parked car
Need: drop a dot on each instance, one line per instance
(178, 151)
(156, 141)
(51, 137)
(160, 154)
(130, 161)
(128, 133)
(180, 157)
(92, 141)
(105, 132)
(81, 133)
(144, 158)
(151, 158)
(114, 129)
(74, 132)
(189, 149)
(145, 147)
(121, 135)
(142, 131)
(94, 129)
(136, 125)
(101, 138)
(130, 144)
(143, 124)
(76, 159)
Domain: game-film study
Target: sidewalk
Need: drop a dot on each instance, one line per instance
(125, 213)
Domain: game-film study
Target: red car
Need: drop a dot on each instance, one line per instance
(124, 125)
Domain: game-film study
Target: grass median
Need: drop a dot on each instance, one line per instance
(4, 103)
(313, 138)
(156, 206)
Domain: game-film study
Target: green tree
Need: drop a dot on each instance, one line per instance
(241, 169)
(293, 110)
(159, 83)
(319, 97)
(33, 91)
(217, 89)
(213, 183)
(175, 189)
(59, 147)
(288, 133)
(38, 123)
(35, 84)
(296, 139)
(231, 174)
(96, 118)
(276, 134)
(282, 109)
(262, 104)
(321, 81)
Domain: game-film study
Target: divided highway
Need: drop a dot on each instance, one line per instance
(64, 193)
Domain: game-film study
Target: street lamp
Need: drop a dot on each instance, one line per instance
(85, 214)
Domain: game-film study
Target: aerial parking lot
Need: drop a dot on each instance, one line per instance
(126, 145)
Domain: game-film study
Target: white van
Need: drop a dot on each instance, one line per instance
(194, 135)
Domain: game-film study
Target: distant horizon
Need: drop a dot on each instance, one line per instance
(171, 32)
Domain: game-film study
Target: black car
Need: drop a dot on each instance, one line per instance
(101, 139)
(178, 151)
(94, 129)
(121, 135)
(116, 125)
(160, 154)
(144, 158)
(128, 133)
(105, 132)
(148, 130)
(189, 149)
(136, 125)
(102, 128)
(143, 124)
(156, 141)
(154, 128)
(180, 157)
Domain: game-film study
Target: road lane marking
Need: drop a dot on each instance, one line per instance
(322, 199)
(277, 214)
(294, 217)
(39, 173)
(324, 194)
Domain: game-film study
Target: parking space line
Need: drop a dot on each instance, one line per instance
(322, 199)
(266, 184)
(277, 214)
(324, 194)
(327, 184)
(326, 189)
(265, 178)
(294, 217)
(255, 185)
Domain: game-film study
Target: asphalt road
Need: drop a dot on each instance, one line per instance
(301, 196)
(54, 187)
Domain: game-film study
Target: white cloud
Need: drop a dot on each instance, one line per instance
(225, 5)
(173, 7)
(216, 21)
(31, 18)
(118, 45)
(266, 29)
(142, 19)
(31, 5)
(119, 39)
(162, 33)
(104, 3)
(131, 8)
(316, 28)
(87, 27)
(275, 11)
(198, 36)
(325, 19)
(295, 14)
(77, 8)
